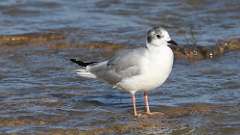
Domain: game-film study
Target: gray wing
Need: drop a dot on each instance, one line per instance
(122, 65)
(126, 63)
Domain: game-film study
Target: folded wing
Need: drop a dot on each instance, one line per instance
(124, 64)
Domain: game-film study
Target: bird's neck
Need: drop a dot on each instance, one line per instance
(156, 48)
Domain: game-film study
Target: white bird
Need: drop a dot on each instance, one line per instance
(139, 69)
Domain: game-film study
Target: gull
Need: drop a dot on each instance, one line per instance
(139, 69)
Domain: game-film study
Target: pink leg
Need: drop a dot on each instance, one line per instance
(134, 105)
(147, 110)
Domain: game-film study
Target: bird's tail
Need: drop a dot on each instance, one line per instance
(83, 71)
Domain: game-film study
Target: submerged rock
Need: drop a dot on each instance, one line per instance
(30, 38)
(197, 52)
(189, 52)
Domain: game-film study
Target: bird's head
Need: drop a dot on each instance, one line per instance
(158, 36)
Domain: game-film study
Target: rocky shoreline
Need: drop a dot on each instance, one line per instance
(198, 52)
(189, 52)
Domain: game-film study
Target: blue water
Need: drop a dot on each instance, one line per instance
(39, 91)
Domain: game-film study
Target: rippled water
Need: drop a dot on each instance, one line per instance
(40, 93)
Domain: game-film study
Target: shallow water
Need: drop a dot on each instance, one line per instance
(40, 93)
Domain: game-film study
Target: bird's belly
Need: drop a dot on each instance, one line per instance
(156, 78)
(149, 80)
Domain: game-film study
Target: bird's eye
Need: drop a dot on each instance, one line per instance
(158, 36)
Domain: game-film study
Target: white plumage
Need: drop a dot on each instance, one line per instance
(140, 69)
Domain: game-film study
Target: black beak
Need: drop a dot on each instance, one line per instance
(172, 42)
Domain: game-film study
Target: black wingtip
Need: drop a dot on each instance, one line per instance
(73, 60)
(81, 63)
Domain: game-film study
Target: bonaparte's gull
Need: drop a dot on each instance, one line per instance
(138, 69)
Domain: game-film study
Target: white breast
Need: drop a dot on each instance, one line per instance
(156, 67)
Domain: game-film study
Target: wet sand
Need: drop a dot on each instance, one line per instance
(59, 41)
